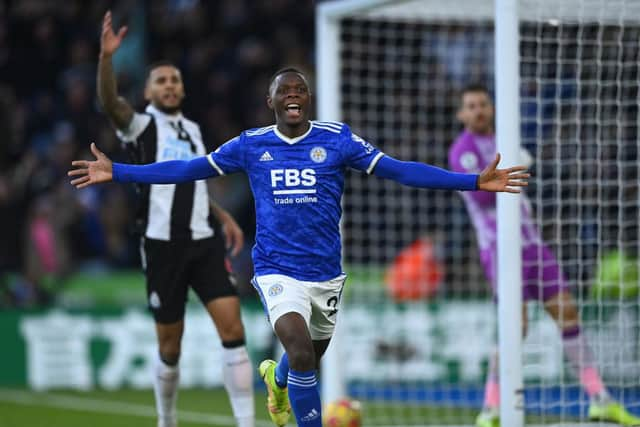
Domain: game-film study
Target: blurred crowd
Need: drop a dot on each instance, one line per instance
(579, 106)
(226, 50)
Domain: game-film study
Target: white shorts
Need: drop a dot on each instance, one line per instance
(317, 302)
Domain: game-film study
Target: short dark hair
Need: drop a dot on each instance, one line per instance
(474, 87)
(160, 63)
(284, 71)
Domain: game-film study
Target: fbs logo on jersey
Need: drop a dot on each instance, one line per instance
(266, 157)
(293, 177)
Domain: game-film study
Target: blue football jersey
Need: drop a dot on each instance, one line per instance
(297, 185)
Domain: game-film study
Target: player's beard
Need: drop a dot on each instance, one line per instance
(483, 127)
(169, 109)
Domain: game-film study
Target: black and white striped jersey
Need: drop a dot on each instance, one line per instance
(168, 211)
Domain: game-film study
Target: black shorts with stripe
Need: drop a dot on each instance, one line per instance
(171, 267)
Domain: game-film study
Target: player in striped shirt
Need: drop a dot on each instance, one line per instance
(182, 243)
(296, 171)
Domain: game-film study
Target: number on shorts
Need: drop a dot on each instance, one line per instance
(332, 303)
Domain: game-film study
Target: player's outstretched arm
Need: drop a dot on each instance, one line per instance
(92, 172)
(116, 107)
(421, 175)
(502, 180)
(170, 172)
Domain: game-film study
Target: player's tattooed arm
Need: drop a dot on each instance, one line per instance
(116, 107)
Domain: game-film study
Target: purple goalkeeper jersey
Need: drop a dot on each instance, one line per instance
(541, 274)
(471, 153)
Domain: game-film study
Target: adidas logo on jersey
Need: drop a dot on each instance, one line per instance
(311, 415)
(266, 157)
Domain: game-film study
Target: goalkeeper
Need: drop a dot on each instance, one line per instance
(542, 277)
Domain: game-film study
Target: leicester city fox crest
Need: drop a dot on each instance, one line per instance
(275, 290)
(318, 154)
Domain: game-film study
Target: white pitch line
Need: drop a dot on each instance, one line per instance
(87, 404)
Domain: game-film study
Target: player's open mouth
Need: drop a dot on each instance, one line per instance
(293, 110)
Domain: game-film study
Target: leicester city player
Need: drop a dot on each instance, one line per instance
(296, 171)
(542, 277)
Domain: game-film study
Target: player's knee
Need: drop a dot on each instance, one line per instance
(170, 356)
(568, 317)
(231, 331)
(169, 350)
(525, 326)
(525, 321)
(564, 311)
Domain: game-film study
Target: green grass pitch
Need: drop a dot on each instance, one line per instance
(196, 408)
(135, 408)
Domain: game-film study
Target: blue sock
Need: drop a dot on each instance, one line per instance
(305, 398)
(282, 371)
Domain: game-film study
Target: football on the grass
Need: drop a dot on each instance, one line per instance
(342, 413)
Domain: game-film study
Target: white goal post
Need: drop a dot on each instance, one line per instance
(565, 77)
(508, 140)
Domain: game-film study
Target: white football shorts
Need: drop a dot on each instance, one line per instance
(317, 302)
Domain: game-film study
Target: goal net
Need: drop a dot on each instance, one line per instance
(419, 322)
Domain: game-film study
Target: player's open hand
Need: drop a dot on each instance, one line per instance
(502, 180)
(92, 172)
(110, 41)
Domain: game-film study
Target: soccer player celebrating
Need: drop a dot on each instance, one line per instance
(296, 171)
(181, 244)
(541, 275)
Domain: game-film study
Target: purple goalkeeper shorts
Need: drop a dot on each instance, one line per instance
(542, 278)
